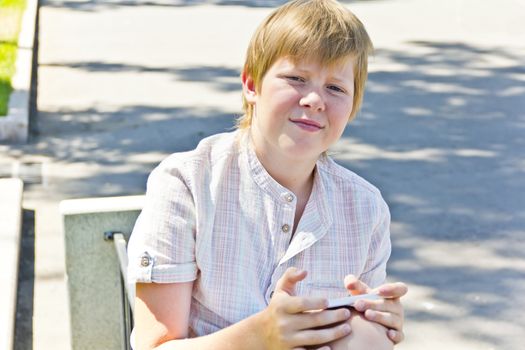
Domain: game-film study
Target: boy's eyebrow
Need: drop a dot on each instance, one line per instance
(305, 70)
(342, 81)
(333, 77)
(346, 84)
(298, 69)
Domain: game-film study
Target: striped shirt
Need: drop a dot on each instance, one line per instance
(216, 217)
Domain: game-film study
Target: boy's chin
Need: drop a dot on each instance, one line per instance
(302, 151)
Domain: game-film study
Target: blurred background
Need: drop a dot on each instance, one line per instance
(122, 84)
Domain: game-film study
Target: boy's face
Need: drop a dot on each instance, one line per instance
(301, 108)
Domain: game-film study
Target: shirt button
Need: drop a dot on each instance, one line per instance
(145, 260)
(288, 198)
(285, 228)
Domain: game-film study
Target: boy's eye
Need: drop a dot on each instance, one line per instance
(336, 88)
(295, 78)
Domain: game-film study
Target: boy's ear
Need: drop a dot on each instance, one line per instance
(248, 88)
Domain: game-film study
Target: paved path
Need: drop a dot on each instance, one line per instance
(124, 83)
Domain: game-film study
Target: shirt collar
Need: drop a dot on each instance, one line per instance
(316, 218)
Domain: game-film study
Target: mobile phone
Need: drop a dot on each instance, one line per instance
(350, 300)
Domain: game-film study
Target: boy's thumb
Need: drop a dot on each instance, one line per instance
(289, 279)
(355, 286)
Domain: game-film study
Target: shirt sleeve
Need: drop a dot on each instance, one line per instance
(374, 272)
(161, 248)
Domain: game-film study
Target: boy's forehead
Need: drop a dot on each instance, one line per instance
(337, 63)
(342, 64)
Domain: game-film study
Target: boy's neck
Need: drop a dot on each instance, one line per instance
(296, 175)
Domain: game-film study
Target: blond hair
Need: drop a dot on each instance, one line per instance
(322, 30)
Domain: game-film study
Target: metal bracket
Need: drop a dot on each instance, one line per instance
(120, 244)
(108, 235)
(120, 248)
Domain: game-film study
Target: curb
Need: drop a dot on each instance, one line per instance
(10, 234)
(14, 127)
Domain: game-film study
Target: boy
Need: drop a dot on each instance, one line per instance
(230, 230)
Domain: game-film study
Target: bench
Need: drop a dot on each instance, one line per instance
(96, 231)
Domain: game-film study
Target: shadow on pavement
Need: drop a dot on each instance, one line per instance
(219, 77)
(98, 5)
(120, 146)
(442, 134)
(26, 282)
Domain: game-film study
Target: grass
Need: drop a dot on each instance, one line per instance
(11, 12)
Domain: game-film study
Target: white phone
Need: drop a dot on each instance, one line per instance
(350, 300)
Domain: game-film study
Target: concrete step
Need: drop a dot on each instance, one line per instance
(11, 191)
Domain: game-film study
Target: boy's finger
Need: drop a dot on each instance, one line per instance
(320, 319)
(321, 336)
(289, 279)
(295, 305)
(393, 290)
(396, 336)
(386, 319)
(355, 286)
(387, 305)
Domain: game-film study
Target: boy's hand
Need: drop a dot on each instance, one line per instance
(387, 312)
(290, 322)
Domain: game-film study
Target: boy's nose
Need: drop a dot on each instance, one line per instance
(313, 100)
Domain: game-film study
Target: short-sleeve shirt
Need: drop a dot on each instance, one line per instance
(215, 216)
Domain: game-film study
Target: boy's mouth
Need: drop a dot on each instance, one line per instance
(307, 124)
